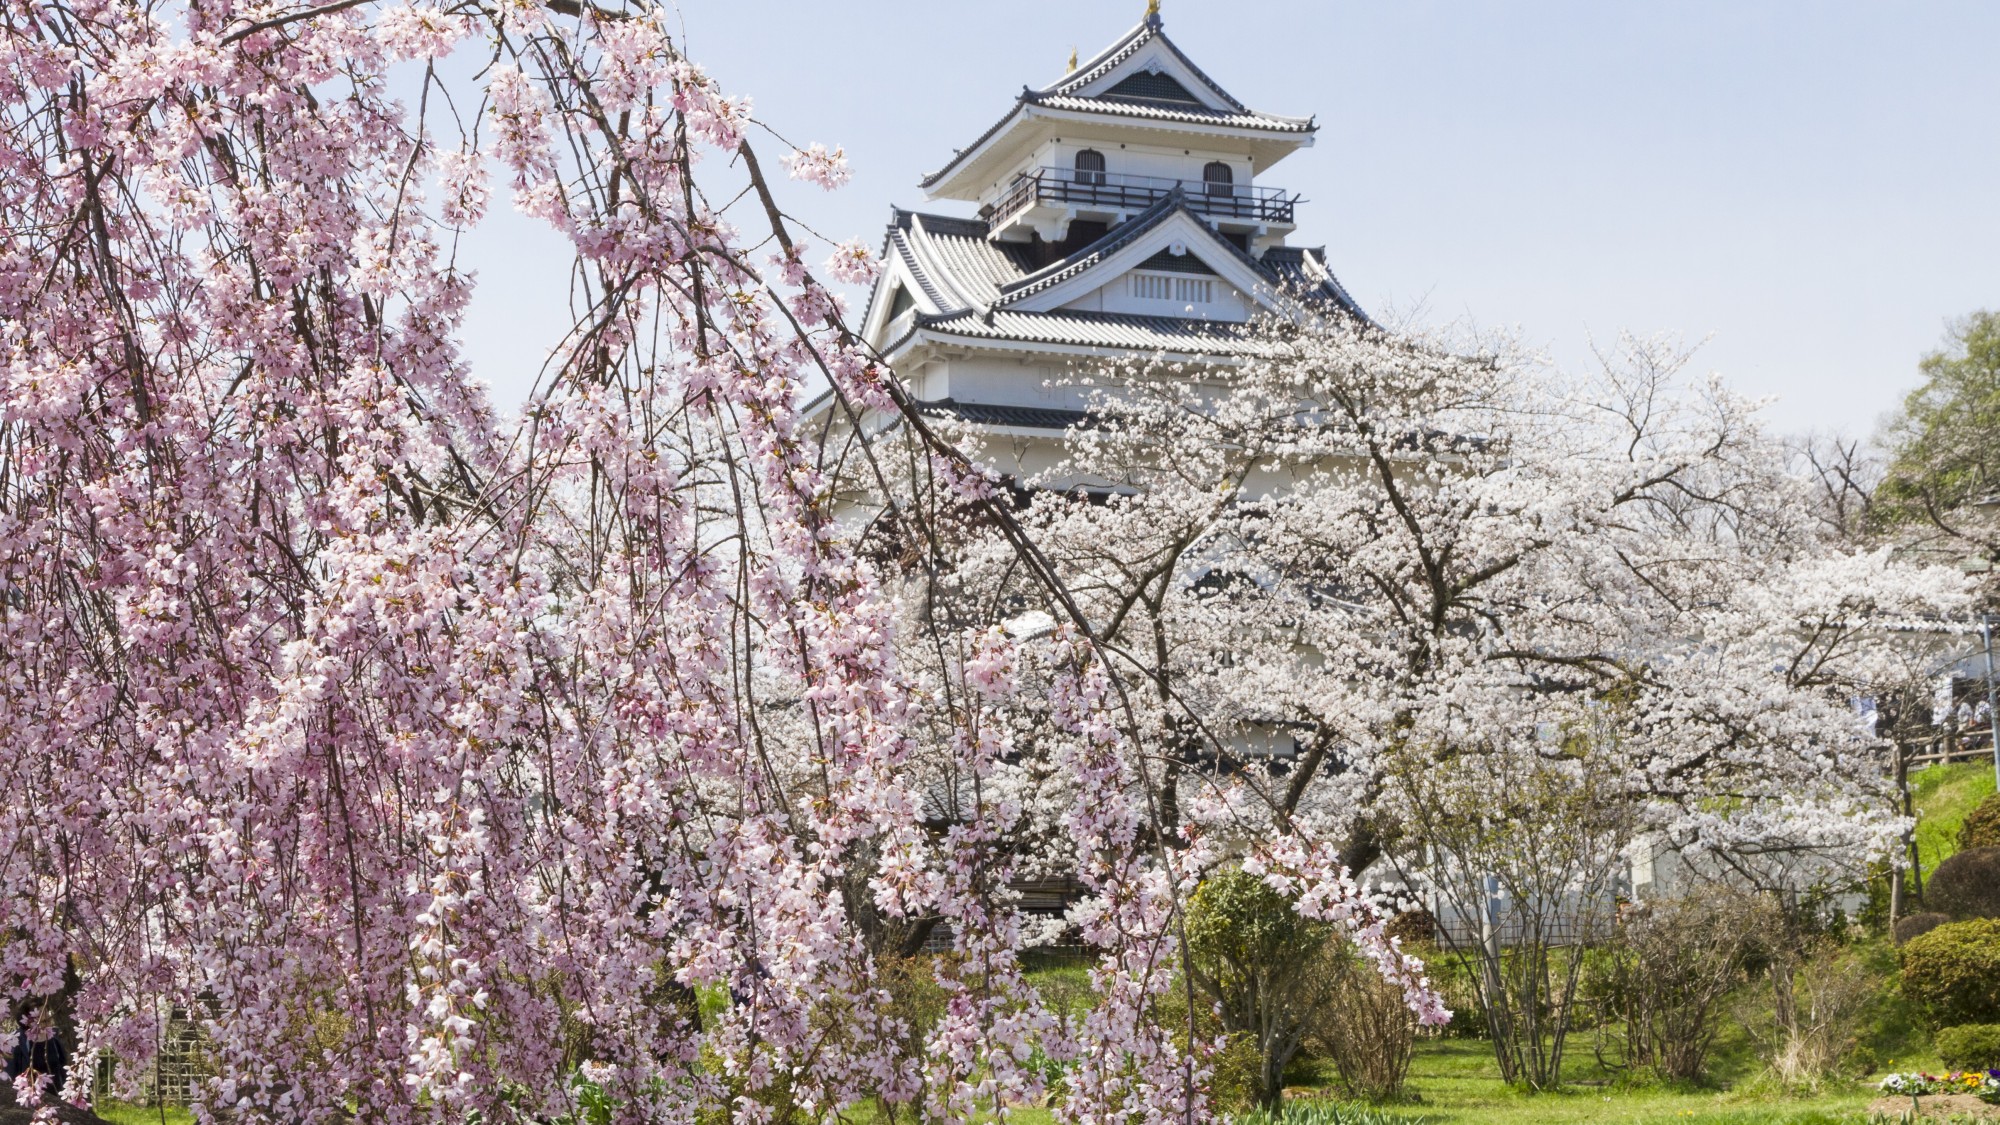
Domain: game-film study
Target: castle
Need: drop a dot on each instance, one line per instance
(1123, 211)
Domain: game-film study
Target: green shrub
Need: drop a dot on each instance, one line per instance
(1365, 1027)
(1916, 925)
(1981, 828)
(1257, 959)
(1952, 974)
(1234, 1072)
(1452, 979)
(1967, 885)
(1972, 1046)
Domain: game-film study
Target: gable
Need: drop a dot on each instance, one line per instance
(897, 292)
(1170, 262)
(1196, 294)
(1158, 74)
(1178, 244)
(1147, 86)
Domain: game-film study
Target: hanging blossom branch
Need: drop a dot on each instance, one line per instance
(440, 768)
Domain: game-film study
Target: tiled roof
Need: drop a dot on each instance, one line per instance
(1103, 61)
(953, 260)
(1062, 95)
(1117, 238)
(991, 414)
(1094, 330)
(1161, 111)
(1128, 45)
(972, 280)
(1292, 271)
(1303, 269)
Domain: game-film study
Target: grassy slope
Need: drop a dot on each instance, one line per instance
(1944, 794)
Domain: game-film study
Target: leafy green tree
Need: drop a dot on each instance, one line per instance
(1260, 961)
(1944, 445)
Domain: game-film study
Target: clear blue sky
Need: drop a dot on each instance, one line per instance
(1815, 185)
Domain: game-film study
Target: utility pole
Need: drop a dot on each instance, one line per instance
(1992, 695)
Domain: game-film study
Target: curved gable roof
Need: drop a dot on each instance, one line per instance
(1128, 46)
(1071, 93)
(959, 268)
(978, 285)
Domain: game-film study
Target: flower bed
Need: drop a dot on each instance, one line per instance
(1984, 1085)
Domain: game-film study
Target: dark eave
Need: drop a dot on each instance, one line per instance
(1068, 328)
(991, 414)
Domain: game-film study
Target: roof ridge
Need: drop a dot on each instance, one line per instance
(1103, 61)
(1107, 60)
(899, 238)
(1078, 328)
(968, 228)
(931, 246)
(1117, 238)
(935, 265)
(1134, 107)
(1199, 73)
(1097, 316)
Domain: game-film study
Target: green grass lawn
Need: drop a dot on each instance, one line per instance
(1944, 794)
(1456, 1080)
(143, 1115)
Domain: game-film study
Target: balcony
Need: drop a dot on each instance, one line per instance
(1112, 191)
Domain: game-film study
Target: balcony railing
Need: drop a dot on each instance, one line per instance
(1116, 191)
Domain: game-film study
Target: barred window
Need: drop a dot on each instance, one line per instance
(1090, 167)
(1181, 290)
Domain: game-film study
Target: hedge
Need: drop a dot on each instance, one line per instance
(1972, 1046)
(1967, 885)
(1952, 974)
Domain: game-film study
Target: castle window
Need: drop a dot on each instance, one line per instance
(1218, 179)
(1180, 290)
(1090, 167)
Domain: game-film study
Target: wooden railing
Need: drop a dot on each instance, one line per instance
(1969, 744)
(1116, 191)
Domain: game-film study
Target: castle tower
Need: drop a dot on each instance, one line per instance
(1124, 210)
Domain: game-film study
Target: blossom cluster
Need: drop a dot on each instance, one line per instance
(437, 764)
(1984, 1085)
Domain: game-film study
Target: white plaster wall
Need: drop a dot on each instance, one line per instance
(1256, 741)
(1131, 159)
(929, 380)
(1230, 304)
(1010, 382)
